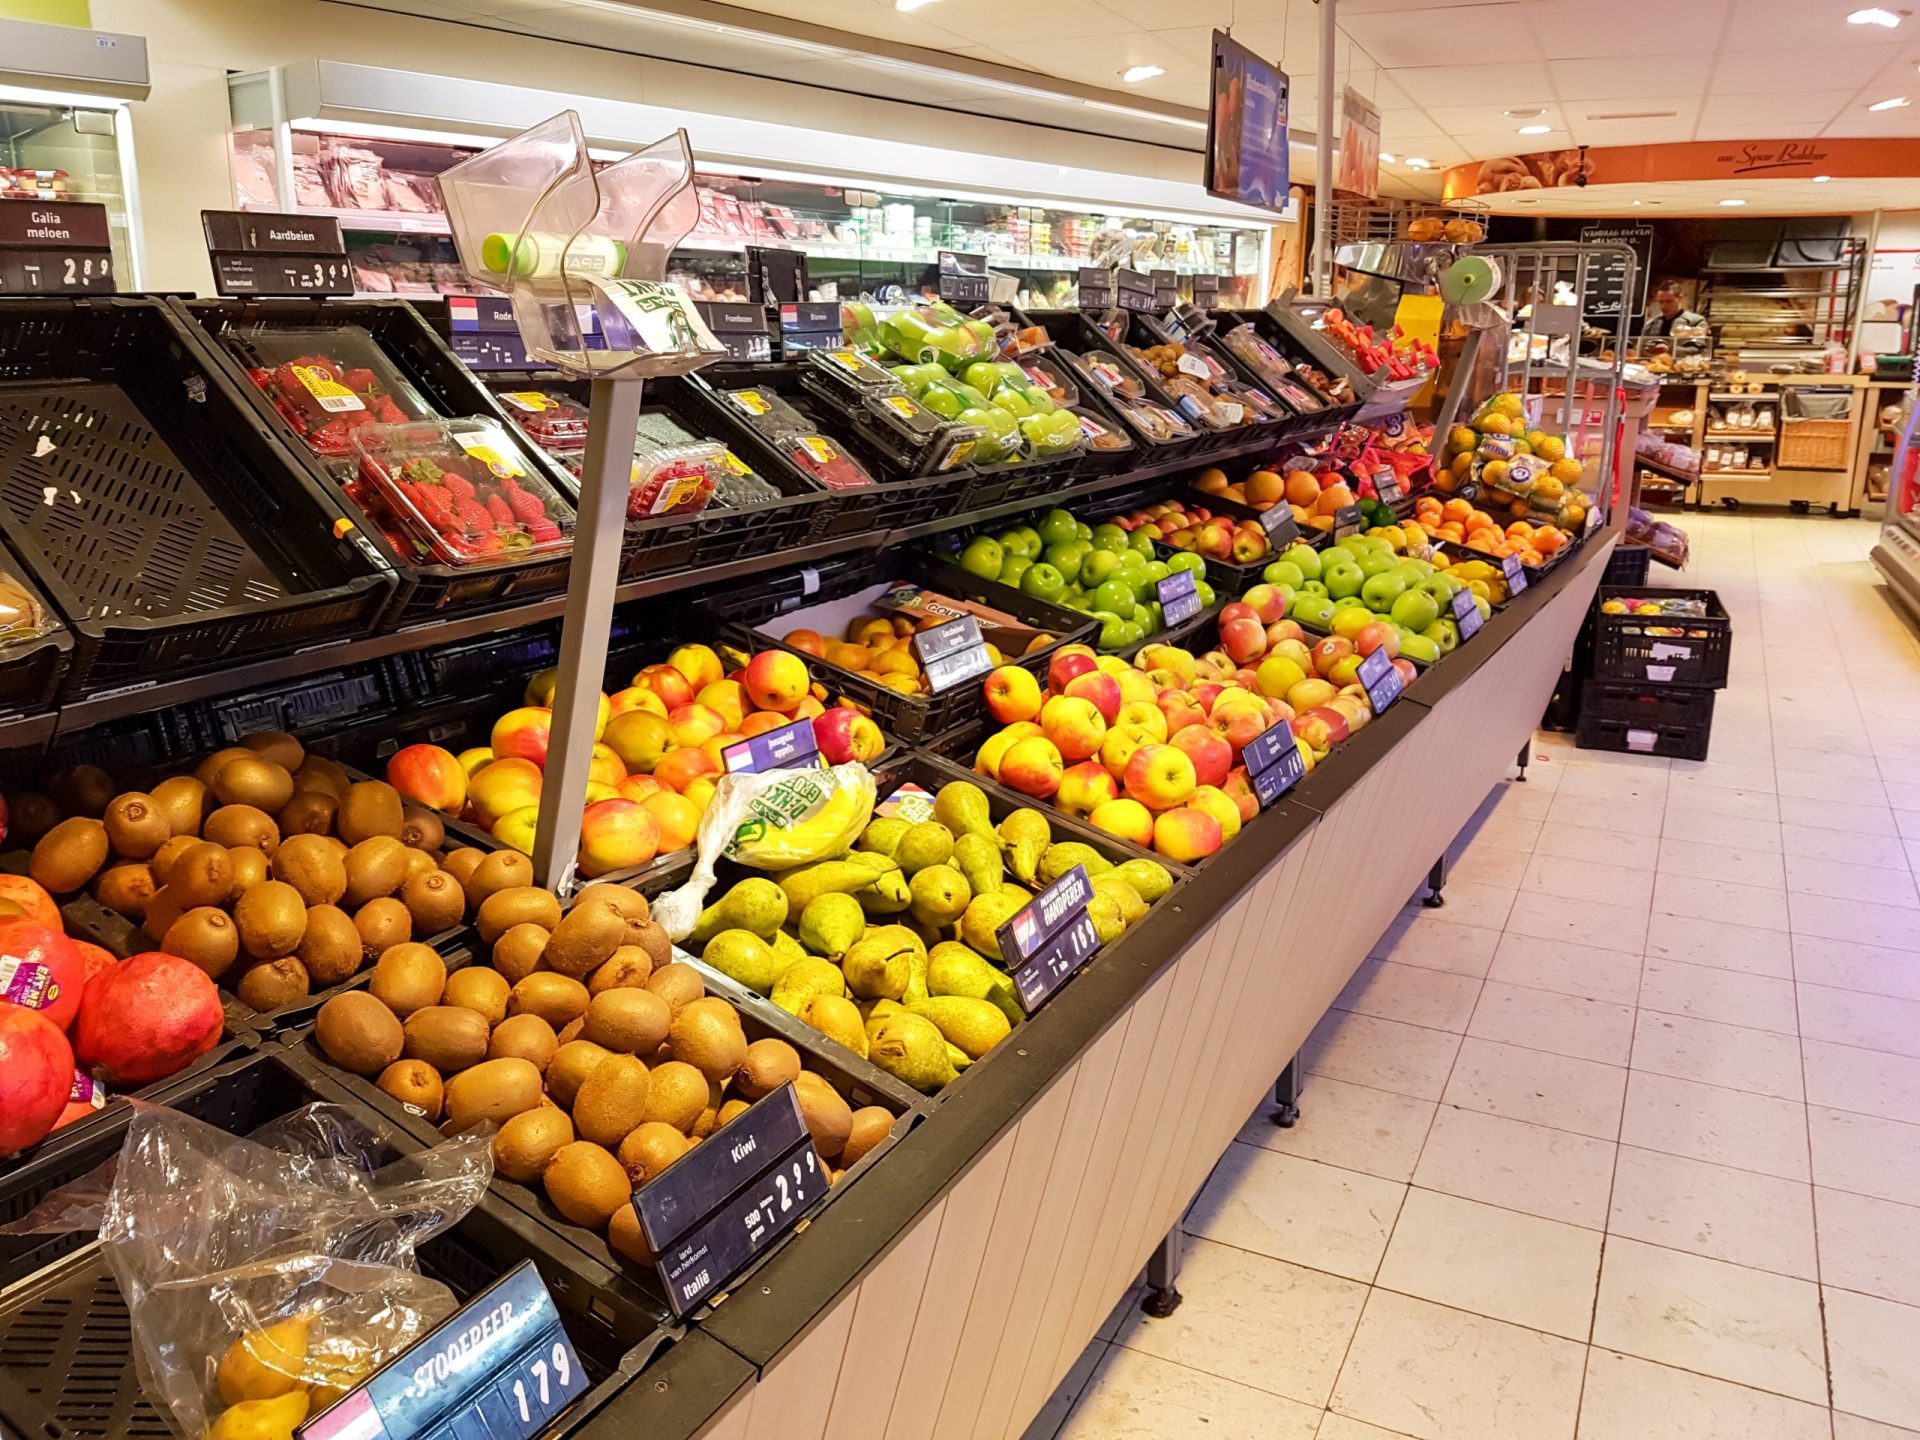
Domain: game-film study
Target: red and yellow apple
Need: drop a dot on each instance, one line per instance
(429, 776)
(1033, 766)
(616, 835)
(1012, 694)
(1085, 787)
(1186, 834)
(776, 680)
(1101, 689)
(502, 787)
(846, 736)
(1160, 776)
(1210, 756)
(1217, 803)
(639, 738)
(1074, 725)
(699, 664)
(1126, 819)
(522, 734)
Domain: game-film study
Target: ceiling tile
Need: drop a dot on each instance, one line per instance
(991, 22)
(1777, 130)
(1814, 67)
(1100, 59)
(1769, 25)
(1153, 15)
(1766, 111)
(1412, 37)
(1860, 123)
(1408, 125)
(1605, 79)
(1654, 29)
(1431, 85)
(1488, 118)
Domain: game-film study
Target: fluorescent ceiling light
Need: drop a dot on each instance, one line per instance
(1536, 129)
(910, 5)
(1821, 179)
(1874, 16)
(1733, 202)
(1182, 120)
(1525, 114)
(1899, 102)
(1134, 74)
(1416, 162)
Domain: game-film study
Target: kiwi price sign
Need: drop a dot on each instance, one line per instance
(1277, 520)
(734, 1157)
(952, 654)
(1466, 614)
(1382, 681)
(1515, 572)
(501, 1367)
(1179, 598)
(709, 1256)
(791, 747)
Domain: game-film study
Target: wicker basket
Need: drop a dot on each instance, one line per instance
(1814, 444)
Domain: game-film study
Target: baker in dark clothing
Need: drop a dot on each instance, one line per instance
(1692, 337)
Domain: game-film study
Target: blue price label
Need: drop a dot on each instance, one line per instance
(1515, 572)
(1274, 763)
(1179, 597)
(1270, 745)
(1347, 521)
(1048, 970)
(1044, 916)
(732, 1157)
(791, 747)
(1381, 679)
(1466, 614)
(501, 1369)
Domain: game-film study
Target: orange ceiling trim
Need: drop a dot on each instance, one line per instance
(1693, 160)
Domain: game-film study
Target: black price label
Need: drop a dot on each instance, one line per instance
(1096, 287)
(1277, 520)
(1274, 762)
(501, 1369)
(1515, 572)
(1382, 680)
(711, 1254)
(1179, 598)
(282, 275)
(1206, 291)
(1136, 300)
(56, 272)
(676, 1201)
(963, 278)
(952, 654)
(1347, 521)
(54, 225)
(1166, 287)
(1466, 613)
(264, 253)
(1044, 917)
(1055, 961)
(1386, 485)
(791, 747)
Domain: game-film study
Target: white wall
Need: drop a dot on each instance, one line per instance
(1892, 274)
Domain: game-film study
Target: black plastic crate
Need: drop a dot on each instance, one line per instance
(422, 592)
(1627, 565)
(1229, 578)
(31, 669)
(1145, 331)
(1654, 720)
(65, 1334)
(184, 538)
(1075, 335)
(1296, 348)
(902, 717)
(1637, 649)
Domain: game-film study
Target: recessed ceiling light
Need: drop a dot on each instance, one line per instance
(1536, 129)
(1874, 15)
(1415, 162)
(1388, 156)
(1636, 202)
(1899, 102)
(909, 6)
(1733, 202)
(1135, 74)
(1821, 179)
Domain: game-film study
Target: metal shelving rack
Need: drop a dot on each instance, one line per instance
(1756, 318)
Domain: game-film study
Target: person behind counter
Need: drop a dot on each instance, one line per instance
(1676, 330)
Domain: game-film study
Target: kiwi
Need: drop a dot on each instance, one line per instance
(249, 780)
(83, 790)
(183, 800)
(460, 863)
(309, 812)
(526, 1036)
(651, 938)
(528, 1141)
(375, 868)
(677, 983)
(125, 889)
(308, 863)
(415, 1084)
(382, 924)
(208, 937)
(201, 874)
(517, 953)
(633, 1022)
(517, 905)
(136, 825)
(278, 747)
(328, 777)
(556, 999)
(435, 900)
(370, 808)
(446, 1037)
(211, 766)
(483, 991)
(586, 1184)
(163, 908)
(407, 978)
(571, 1030)
(29, 816)
(273, 983)
(730, 1111)
(331, 948)
(419, 863)
(493, 1090)
(502, 870)
(628, 903)
(625, 1237)
(709, 1120)
(69, 855)
(161, 862)
(829, 1118)
(677, 1095)
(770, 1063)
(650, 1149)
(612, 1100)
(871, 1125)
(358, 1033)
(272, 918)
(422, 829)
(572, 1063)
(236, 825)
(707, 1035)
(627, 968)
(585, 936)
(249, 869)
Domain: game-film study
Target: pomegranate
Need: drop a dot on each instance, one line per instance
(149, 1016)
(41, 970)
(36, 1076)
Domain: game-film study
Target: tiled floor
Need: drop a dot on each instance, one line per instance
(1623, 1143)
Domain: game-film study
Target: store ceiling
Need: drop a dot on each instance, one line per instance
(1603, 72)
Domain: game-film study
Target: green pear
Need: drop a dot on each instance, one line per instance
(1108, 923)
(839, 1020)
(886, 894)
(882, 835)
(872, 1012)
(940, 895)
(743, 956)
(803, 980)
(1150, 878)
(928, 843)
(1024, 837)
(878, 967)
(1132, 908)
(961, 806)
(789, 948)
(976, 1026)
(978, 858)
(1057, 860)
(808, 883)
(755, 904)
(832, 924)
(911, 1048)
(956, 969)
(957, 1057)
(985, 914)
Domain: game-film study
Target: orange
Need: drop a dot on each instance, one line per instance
(1211, 481)
(1265, 488)
(1479, 520)
(1519, 530)
(1334, 497)
(1302, 489)
(1532, 557)
(1520, 509)
(1452, 532)
(1547, 540)
(1457, 509)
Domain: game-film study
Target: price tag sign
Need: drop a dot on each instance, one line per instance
(1056, 960)
(1274, 763)
(1044, 917)
(791, 747)
(1277, 520)
(1382, 681)
(1515, 572)
(55, 247)
(1347, 521)
(952, 654)
(1466, 614)
(963, 278)
(501, 1369)
(711, 1254)
(259, 253)
(1179, 597)
(1386, 484)
(672, 1204)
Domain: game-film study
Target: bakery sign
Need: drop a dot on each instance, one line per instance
(1765, 158)
(1687, 161)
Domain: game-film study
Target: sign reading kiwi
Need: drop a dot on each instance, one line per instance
(791, 747)
(501, 1367)
(952, 654)
(1466, 614)
(687, 1192)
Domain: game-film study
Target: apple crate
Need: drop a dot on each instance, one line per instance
(1645, 720)
(1638, 650)
(1229, 578)
(827, 598)
(65, 1371)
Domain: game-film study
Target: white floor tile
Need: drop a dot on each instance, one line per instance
(1847, 789)
(1872, 1022)
(1135, 1396)
(1627, 1398)
(1595, 812)
(1687, 826)
(1352, 1126)
(1410, 995)
(1567, 969)
(1585, 922)
(1340, 1427)
(1724, 804)
(1598, 847)
(1867, 1082)
(1732, 861)
(1583, 1096)
(1871, 1344)
(1712, 1210)
(1422, 938)
(1865, 1155)
(1406, 1059)
(1721, 902)
(1849, 880)
(1879, 852)
(1837, 815)
(1487, 865)
(1851, 1427)
(1760, 1002)
(1868, 1245)
(1734, 1056)
(1552, 1173)
(1311, 1214)
(1721, 946)
(1858, 922)
(1601, 880)
(1558, 1024)
(1723, 1127)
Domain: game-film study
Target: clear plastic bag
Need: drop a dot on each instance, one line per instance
(254, 1268)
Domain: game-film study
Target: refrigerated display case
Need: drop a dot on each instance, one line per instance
(1897, 555)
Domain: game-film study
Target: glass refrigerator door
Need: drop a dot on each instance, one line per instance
(52, 152)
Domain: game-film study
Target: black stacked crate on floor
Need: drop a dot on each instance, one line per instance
(1648, 680)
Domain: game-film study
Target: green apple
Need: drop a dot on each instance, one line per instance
(1082, 530)
(1098, 567)
(1013, 567)
(1043, 582)
(1441, 586)
(1034, 543)
(1372, 563)
(1305, 559)
(1014, 542)
(1419, 647)
(1143, 538)
(1066, 556)
(1415, 609)
(942, 401)
(1013, 401)
(1057, 527)
(1134, 632)
(1204, 591)
(1113, 630)
(1132, 559)
(1284, 572)
(1349, 602)
(1343, 578)
(1316, 587)
(1313, 611)
(983, 557)
(1382, 589)
(1115, 595)
(1108, 536)
(1187, 560)
(1444, 633)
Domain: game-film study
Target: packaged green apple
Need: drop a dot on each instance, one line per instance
(936, 333)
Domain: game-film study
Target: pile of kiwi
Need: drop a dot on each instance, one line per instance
(600, 1057)
(269, 868)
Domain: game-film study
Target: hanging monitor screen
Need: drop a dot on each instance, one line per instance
(1247, 127)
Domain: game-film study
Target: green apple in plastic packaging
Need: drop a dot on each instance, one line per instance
(1003, 438)
(858, 328)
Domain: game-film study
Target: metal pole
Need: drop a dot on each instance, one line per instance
(605, 483)
(1856, 302)
(1323, 160)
